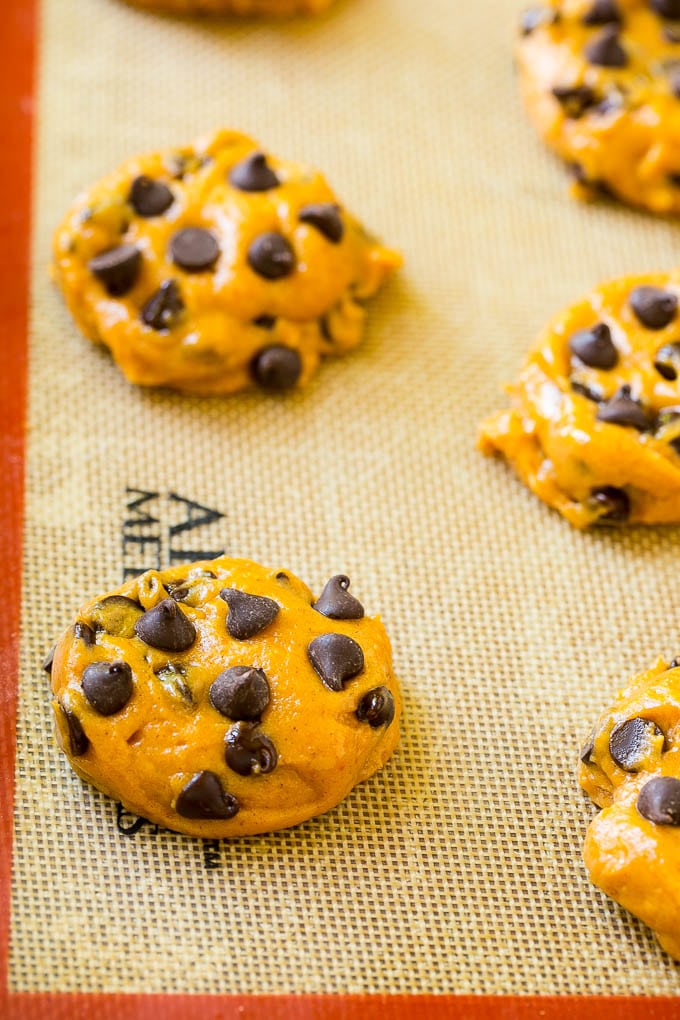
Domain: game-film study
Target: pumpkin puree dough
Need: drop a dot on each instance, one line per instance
(222, 699)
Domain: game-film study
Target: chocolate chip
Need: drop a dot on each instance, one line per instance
(253, 174)
(603, 12)
(667, 8)
(265, 321)
(574, 99)
(586, 754)
(163, 308)
(48, 661)
(78, 742)
(659, 801)
(107, 686)
(336, 658)
(667, 361)
(203, 797)
(150, 198)
(336, 602)
(117, 268)
(117, 615)
(612, 505)
(276, 367)
(172, 679)
(248, 614)
(194, 249)
(534, 18)
(240, 693)
(605, 50)
(326, 218)
(594, 347)
(630, 743)
(586, 391)
(674, 664)
(376, 707)
(655, 308)
(271, 256)
(166, 627)
(622, 409)
(84, 633)
(248, 751)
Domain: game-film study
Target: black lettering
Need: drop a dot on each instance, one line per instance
(197, 514)
(211, 854)
(140, 517)
(131, 828)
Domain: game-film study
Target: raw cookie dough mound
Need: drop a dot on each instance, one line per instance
(601, 82)
(630, 767)
(594, 421)
(276, 7)
(223, 699)
(217, 267)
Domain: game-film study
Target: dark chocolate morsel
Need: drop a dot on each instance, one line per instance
(117, 268)
(611, 504)
(603, 12)
(166, 627)
(253, 174)
(248, 614)
(376, 707)
(84, 633)
(659, 801)
(172, 680)
(605, 50)
(667, 361)
(629, 742)
(240, 693)
(336, 658)
(149, 197)
(194, 249)
(667, 8)
(249, 752)
(78, 742)
(48, 661)
(107, 686)
(277, 367)
(163, 308)
(595, 347)
(574, 99)
(674, 663)
(622, 409)
(336, 602)
(586, 391)
(265, 321)
(586, 753)
(204, 797)
(654, 308)
(271, 256)
(326, 218)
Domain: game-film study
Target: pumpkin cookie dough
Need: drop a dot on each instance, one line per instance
(217, 267)
(601, 82)
(593, 426)
(630, 767)
(223, 698)
(272, 7)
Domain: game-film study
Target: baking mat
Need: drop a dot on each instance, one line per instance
(457, 869)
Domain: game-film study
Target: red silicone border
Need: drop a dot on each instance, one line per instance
(18, 30)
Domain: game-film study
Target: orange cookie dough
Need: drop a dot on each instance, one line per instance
(593, 426)
(630, 767)
(223, 699)
(276, 7)
(601, 82)
(217, 267)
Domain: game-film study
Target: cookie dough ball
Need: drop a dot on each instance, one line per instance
(270, 7)
(594, 421)
(223, 698)
(601, 83)
(217, 267)
(630, 767)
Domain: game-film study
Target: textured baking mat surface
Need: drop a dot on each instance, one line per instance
(457, 869)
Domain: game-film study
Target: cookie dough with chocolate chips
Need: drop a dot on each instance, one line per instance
(601, 82)
(593, 426)
(217, 267)
(223, 698)
(630, 767)
(245, 7)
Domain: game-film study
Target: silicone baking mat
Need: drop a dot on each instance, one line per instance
(451, 883)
